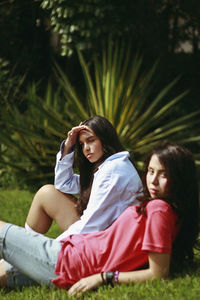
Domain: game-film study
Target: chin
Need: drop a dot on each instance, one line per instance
(154, 197)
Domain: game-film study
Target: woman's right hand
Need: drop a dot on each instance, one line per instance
(71, 138)
(85, 284)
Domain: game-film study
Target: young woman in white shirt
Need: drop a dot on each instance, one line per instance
(106, 185)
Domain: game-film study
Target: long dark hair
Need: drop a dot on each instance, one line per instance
(183, 195)
(110, 143)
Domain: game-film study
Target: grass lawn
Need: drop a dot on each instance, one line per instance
(14, 207)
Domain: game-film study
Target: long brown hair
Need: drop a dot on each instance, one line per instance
(183, 195)
(110, 143)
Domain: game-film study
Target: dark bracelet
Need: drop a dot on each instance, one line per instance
(109, 278)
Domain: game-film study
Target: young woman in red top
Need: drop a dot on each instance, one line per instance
(138, 246)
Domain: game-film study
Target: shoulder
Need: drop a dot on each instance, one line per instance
(119, 169)
(158, 205)
(117, 162)
(123, 155)
(161, 216)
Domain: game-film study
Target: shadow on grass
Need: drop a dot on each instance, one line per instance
(187, 267)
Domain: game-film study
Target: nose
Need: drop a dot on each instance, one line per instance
(86, 147)
(154, 179)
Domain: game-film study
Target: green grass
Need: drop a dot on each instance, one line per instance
(14, 206)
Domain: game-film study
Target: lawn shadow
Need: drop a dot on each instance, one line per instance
(189, 267)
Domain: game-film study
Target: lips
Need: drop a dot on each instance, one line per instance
(89, 155)
(153, 191)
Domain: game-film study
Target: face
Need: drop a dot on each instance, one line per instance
(91, 145)
(156, 178)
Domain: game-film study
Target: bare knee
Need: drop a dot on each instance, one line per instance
(1, 225)
(45, 190)
(44, 193)
(37, 218)
(48, 190)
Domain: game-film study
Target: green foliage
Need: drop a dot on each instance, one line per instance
(115, 87)
(157, 26)
(10, 83)
(123, 93)
(23, 43)
(11, 93)
(183, 286)
(84, 23)
(29, 141)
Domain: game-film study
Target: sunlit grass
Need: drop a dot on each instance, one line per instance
(14, 206)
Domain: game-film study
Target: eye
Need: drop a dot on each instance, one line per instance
(150, 171)
(163, 175)
(92, 139)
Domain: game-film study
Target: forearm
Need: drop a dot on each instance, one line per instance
(153, 272)
(127, 277)
(136, 276)
(65, 180)
(67, 149)
(158, 268)
(99, 279)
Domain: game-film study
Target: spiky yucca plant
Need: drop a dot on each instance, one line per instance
(118, 89)
(115, 88)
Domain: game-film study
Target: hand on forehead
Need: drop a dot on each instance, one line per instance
(86, 128)
(86, 132)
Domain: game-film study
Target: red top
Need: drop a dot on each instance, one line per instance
(124, 246)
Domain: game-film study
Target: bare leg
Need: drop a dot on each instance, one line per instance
(50, 204)
(3, 281)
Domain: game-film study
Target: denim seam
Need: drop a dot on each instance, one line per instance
(2, 237)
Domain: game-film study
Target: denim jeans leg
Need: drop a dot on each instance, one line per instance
(33, 255)
(16, 279)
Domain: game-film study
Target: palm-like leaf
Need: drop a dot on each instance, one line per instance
(119, 91)
(115, 88)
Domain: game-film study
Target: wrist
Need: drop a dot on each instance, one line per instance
(68, 149)
(110, 278)
(116, 277)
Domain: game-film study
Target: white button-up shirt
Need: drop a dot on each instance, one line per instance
(115, 186)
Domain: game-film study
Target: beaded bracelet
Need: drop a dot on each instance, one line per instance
(116, 277)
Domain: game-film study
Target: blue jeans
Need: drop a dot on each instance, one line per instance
(30, 258)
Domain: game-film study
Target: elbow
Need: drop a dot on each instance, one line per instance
(56, 185)
(60, 187)
(159, 265)
(163, 273)
(59, 184)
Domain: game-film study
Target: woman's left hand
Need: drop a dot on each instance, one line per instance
(85, 284)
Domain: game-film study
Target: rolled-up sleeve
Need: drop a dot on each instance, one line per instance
(65, 180)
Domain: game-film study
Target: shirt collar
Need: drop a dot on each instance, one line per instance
(121, 155)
